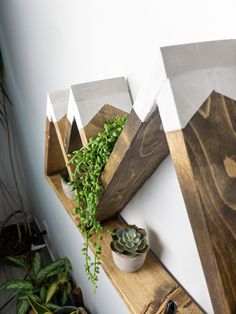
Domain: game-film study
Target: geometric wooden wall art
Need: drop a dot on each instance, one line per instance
(204, 154)
(198, 110)
(80, 114)
(139, 150)
(55, 157)
(90, 104)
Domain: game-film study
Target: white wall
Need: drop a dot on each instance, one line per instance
(10, 199)
(7, 204)
(51, 44)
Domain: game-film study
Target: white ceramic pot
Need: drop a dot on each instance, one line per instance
(127, 263)
(67, 190)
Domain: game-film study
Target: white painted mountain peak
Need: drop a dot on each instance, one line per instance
(83, 101)
(57, 104)
(87, 99)
(191, 72)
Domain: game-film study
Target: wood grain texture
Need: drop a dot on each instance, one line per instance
(72, 140)
(146, 291)
(54, 160)
(140, 148)
(107, 112)
(204, 154)
(60, 133)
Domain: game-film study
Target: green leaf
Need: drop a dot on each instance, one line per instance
(17, 285)
(51, 291)
(22, 306)
(36, 262)
(42, 294)
(18, 262)
(38, 308)
(52, 269)
(35, 297)
(52, 306)
(64, 296)
(68, 266)
(69, 287)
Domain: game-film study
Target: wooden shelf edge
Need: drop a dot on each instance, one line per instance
(146, 291)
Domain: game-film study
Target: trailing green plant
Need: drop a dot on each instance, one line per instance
(88, 164)
(50, 285)
(129, 240)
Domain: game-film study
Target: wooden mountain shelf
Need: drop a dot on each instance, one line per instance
(197, 103)
(139, 150)
(207, 172)
(147, 291)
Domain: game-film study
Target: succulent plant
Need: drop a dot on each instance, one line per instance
(129, 240)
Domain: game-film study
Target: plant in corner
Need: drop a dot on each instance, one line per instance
(18, 236)
(88, 164)
(50, 285)
(129, 247)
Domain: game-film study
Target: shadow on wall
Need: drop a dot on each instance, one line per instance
(154, 241)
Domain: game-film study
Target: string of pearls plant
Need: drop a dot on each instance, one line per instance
(88, 164)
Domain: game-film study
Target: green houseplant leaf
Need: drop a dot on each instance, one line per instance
(38, 308)
(40, 288)
(53, 268)
(18, 262)
(36, 262)
(42, 293)
(51, 291)
(17, 285)
(52, 306)
(22, 306)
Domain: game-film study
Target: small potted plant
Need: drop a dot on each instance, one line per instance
(129, 248)
(65, 182)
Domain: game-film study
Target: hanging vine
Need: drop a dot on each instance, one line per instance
(88, 164)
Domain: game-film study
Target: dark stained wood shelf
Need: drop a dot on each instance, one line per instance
(204, 157)
(146, 291)
(139, 150)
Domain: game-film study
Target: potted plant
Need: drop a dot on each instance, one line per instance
(129, 248)
(17, 239)
(66, 185)
(88, 164)
(50, 285)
